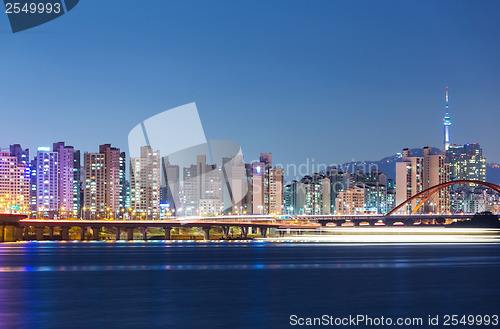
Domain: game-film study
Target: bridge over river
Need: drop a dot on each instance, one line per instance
(18, 227)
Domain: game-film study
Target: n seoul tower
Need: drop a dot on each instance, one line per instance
(446, 124)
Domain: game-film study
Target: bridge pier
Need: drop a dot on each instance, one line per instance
(144, 234)
(130, 234)
(167, 232)
(39, 233)
(9, 235)
(263, 232)
(281, 233)
(82, 233)
(18, 231)
(244, 232)
(51, 233)
(408, 222)
(389, 222)
(225, 232)
(117, 233)
(26, 233)
(65, 233)
(206, 233)
(95, 233)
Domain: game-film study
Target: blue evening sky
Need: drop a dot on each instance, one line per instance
(328, 80)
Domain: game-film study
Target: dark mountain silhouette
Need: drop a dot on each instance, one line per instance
(387, 165)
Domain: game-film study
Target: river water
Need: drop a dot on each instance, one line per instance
(240, 285)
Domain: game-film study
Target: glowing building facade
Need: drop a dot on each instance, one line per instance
(145, 183)
(14, 184)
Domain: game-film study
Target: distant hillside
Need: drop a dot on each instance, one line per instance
(493, 173)
(387, 165)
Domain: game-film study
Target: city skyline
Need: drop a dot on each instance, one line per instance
(312, 167)
(344, 78)
(54, 184)
(299, 163)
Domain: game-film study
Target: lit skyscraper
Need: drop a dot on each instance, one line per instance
(123, 183)
(350, 201)
(66, 177)
(415, 174)
(276, 177)
(145, 183)
(446, 124)
(95, 184)
(309, 197)
(202, 188)
(261, 191)
(466, 162)
(33, 187)
(169, 190)
(77, 182)
(14, 184)
(235, 187)
(113, 187)
(102, 182)
(22, 155)
(47, 181)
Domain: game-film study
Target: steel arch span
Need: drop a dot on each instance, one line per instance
(425, 194)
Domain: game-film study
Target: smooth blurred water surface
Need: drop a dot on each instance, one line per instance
(238, 285)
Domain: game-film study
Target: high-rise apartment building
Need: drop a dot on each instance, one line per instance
(47, 182)
(102, 183)
(309, 196)
(290, 197)
(266, 192)
(95, 185)
(376, 198)
(202, 188)
(22, 155)
(145, 183)
(351, 201)
(276, 185)
(123, 184)
(377, 192)
(309, 199)
(77, 183)
(113, 187)
(415, 174)
(170, 185)
(235, 187)
(14, 184)
(466, 162)
(66, 176)
(259, 188)
(33, 188)
(375, 189)
(339, 181)
(325, 189)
